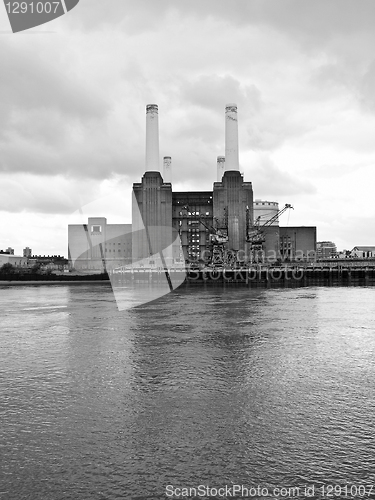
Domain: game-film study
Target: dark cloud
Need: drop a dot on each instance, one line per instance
(45, 110)
(56, 120)
(316, 21)
(134, 16)
(32, 80)
(307, 21)
(82, 159)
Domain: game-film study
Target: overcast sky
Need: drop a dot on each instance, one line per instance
(72, 110)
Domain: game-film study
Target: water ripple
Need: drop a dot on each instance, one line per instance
(203, 386)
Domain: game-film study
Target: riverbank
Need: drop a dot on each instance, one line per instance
(55, 282)
(51, 279)
(286, 277)
(261, 276)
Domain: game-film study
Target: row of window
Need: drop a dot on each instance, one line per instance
(190, 214)
(269, 203)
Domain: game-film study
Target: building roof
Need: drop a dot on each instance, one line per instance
(364, 249)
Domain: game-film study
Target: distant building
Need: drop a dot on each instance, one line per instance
(10, 250)
(48, 259)
(326, 250)
(343, 254)
(15, 260)
(48, 262)
(27, 252)
(363, 252)
(98, 245)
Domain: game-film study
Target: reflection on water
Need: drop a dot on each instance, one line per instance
(204, 386)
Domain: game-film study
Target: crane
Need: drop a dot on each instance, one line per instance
(255, 235)
(217, 237)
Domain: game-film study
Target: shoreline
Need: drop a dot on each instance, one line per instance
(53, 282)
(252, 278)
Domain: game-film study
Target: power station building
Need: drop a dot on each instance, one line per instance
(202, 218)
(197, 216)
(221, 226)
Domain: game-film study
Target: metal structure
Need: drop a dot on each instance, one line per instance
(218, 236)
(221, 256)
(255, 235)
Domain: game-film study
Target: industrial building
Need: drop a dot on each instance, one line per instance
(98, 245)
(297, 243)
(222, 227)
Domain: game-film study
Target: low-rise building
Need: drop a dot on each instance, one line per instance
(48, 262)
(15, 260)
(363, 252)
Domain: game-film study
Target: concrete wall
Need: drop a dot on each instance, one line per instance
(298, 243)
(151, 217)
(232, 206)
(98, 245)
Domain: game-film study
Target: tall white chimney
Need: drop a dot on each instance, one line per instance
(152, 138)
(231, 138)
(167, 169)
(220, 167)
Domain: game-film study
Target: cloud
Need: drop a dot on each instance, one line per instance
(270, 181)
(46, 110)
(133, 16)
(34, 80)
(212, 92)
(367, 89)
(335, 171)
(309, 21)
(37, 194)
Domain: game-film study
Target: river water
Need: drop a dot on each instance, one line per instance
(208, 387)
